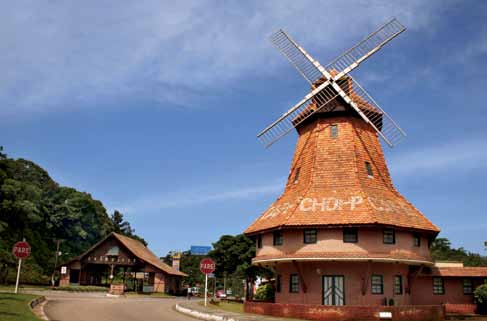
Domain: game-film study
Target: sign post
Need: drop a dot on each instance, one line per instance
(207, 266)
(21, 250)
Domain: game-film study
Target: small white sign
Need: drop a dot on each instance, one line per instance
(64, 270)
(385, 315)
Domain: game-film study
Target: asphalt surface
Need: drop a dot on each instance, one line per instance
(98, 308)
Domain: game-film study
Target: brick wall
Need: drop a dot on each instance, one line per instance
(330, 240)
(355, 273)
(422, 289)
(64, 278)
(346, 313)
(451, 308)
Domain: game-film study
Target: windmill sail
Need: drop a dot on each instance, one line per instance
(307, 67)
(370, 111)
(317, 100)
(334, 81)
(351, 58)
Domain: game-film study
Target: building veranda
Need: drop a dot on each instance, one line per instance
(122, 260)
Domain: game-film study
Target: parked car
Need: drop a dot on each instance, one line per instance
(194, 290)
(221, 294)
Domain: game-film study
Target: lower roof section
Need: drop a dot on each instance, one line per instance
(457, 272)
(344, 257)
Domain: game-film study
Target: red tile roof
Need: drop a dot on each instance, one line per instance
(458, 272)
(350, 256)
(333, 187)
(143, 253)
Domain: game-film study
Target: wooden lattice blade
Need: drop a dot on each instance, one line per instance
(354, 94)
(351, 58)
(310, 69)
(317, 100)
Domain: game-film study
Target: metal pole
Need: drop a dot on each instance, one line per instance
(55, 262)
(206, 289)
(18, 277)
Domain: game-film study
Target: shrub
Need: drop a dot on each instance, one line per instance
(265, 293)
(480, 294)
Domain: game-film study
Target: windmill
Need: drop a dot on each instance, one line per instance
(339, 189)
(334, 82)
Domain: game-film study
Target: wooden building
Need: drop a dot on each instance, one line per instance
(125, 260)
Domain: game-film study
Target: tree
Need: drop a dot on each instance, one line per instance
(480, 295)
(34, 206)
(119, 225)
(441, 250)
(233, 257)
(189, 264)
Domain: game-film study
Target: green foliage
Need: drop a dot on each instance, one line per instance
(83, 288)
(189, 264)
(34, 207)
(265, 293)
(441, 250)
(233, 257)
(480, 295)
(123, 227)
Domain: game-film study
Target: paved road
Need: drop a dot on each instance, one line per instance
(83, 308)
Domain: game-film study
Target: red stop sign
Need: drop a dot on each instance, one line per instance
(21, 250)
(207, 266)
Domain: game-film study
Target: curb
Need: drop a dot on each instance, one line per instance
(38, 303)
(35, 302)
(202, 315)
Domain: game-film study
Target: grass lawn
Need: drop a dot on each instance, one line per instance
(227, 306)
(15, 307)
(11, 288)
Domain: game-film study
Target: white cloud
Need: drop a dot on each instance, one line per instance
(464, 154)
(58, 55)
(194, 197)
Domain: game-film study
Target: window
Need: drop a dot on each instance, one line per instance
(278, 238)
(334, 131)
(377, 284)
(438, 286)
(398, 285)
(389, 237)
(368, 168)
(350, 235)
(467, 286)
(259, 241)
(293, 283)
(296, 176)
(310, 236)
(416, 240)
(278, 283)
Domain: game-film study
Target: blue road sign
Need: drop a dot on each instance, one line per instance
(200, 250)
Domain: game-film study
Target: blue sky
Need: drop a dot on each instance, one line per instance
(154, 107)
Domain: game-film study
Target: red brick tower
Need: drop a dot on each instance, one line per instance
(340, 215)
(340, 233)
